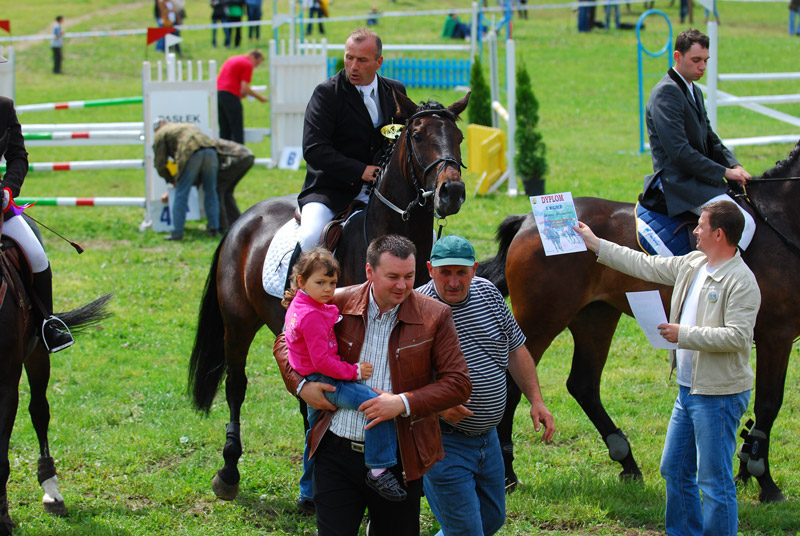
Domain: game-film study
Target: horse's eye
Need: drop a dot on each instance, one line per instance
(417, 135)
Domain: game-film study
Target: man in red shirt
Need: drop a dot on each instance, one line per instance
(233, 83)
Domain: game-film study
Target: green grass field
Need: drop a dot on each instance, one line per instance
(135, 459)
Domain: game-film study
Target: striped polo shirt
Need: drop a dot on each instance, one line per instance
(487, 333)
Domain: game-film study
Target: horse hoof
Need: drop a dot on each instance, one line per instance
(226, 492)
(775, 496)
(55, 508)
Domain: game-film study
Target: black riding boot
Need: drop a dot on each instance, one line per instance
(55, 333)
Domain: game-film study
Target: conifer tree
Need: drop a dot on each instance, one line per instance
(529, 162)
(480, 101)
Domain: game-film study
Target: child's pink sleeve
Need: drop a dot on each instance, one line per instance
(321, 342)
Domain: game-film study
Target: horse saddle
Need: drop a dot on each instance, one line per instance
(660, 234)
(332, 232)
(278, 260)
(15, 274)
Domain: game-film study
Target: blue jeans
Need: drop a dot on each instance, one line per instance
(380, 441)
(253, 14)
(466, 490)
(202, 164)
(615, 9)
(794, 22)
(698, 456)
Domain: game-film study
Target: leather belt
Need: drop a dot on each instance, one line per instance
(344, 443)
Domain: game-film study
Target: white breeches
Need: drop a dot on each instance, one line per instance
(749, 222)
(18, 229)
(315, 216)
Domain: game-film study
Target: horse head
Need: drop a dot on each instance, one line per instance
(432, 146)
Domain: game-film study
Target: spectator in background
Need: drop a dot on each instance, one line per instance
(233, 82)
(522, 9)
(315, 10)
(195, 156)
(235, 160)
(372, 20)
(57, 44)
(167, 15)
(454, 28)
(218, 15)
(609, 8)
(794, 17)
(253, 15)
(234, 9)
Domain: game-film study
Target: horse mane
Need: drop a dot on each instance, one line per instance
(782, 167)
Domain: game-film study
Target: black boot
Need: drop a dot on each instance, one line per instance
(55, 333)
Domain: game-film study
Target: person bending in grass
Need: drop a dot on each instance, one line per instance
(312, 347)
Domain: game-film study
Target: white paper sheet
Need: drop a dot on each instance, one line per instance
(649, 313)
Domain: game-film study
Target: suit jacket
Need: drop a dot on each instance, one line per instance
(687, 155)
(339, 140)
(12, 147)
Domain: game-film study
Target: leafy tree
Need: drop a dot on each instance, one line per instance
(480, 101)
(530, 162)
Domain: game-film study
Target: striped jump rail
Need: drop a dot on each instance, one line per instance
(83, 201)
(89, 165)
(75, 105)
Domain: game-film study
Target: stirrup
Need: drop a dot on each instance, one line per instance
(63, 329)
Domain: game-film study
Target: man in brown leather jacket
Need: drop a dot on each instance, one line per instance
(419, 370)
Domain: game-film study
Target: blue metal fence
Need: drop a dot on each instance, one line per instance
(414, 72)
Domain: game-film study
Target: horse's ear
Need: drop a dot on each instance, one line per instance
(405, 106)
(460, 105)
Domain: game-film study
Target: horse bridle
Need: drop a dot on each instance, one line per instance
(422, 195)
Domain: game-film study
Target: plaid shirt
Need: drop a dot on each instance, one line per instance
(349, 423)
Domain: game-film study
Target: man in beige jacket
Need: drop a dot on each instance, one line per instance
(713, 311)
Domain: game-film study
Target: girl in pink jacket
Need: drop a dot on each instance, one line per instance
(313, 352)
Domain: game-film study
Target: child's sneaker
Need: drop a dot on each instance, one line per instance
(387, 486)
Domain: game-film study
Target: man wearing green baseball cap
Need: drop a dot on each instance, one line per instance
(468, 485)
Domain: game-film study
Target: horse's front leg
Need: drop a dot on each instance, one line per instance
(592, 331)
(226, 482)
(772, 360)
(37, 367)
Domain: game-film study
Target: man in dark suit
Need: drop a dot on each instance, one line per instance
(341, 134)
(690, 163)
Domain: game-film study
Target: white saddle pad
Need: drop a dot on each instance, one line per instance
(276, 262)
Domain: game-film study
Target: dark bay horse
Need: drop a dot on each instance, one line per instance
(422, 177)
(20, 346)
(550, 294)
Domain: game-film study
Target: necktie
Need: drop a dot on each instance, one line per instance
(372, 108)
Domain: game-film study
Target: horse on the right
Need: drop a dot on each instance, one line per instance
(550, 294)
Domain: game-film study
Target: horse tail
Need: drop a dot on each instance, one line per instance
(207, 364)
(494, 269)
(87, 315)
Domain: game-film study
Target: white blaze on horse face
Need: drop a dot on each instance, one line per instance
(51, 494)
